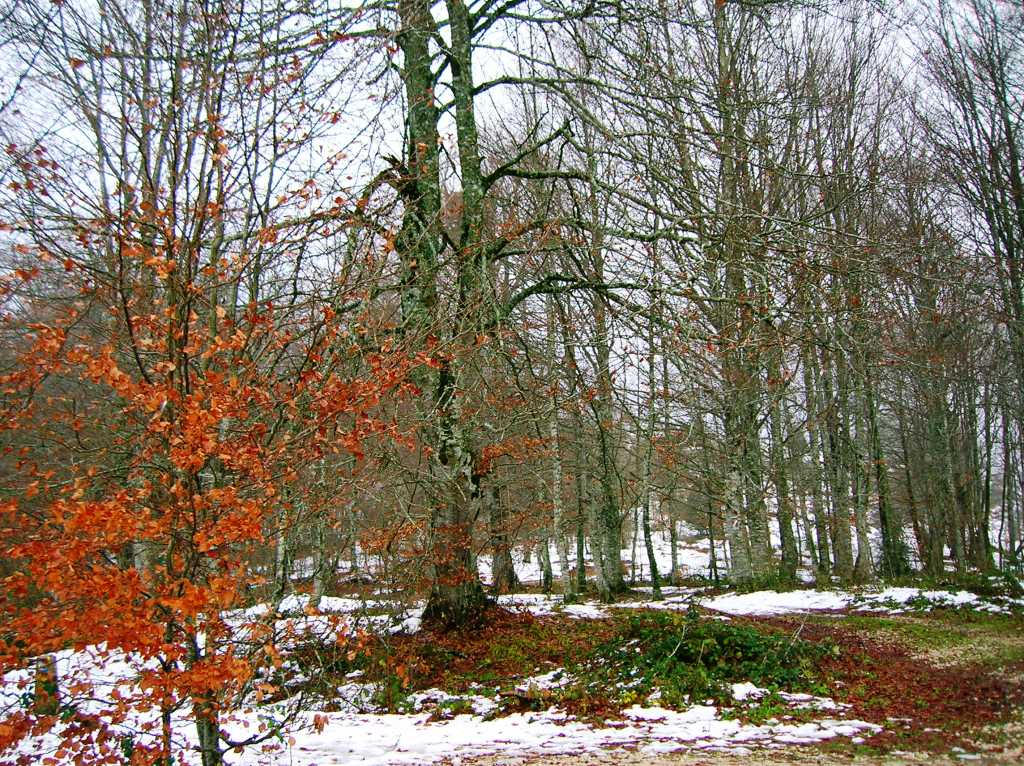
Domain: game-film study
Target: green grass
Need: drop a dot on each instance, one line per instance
(963, 635)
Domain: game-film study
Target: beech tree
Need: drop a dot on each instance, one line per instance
(447, 284)
(138, 542)
(177, 367)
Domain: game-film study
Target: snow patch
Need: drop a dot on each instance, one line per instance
(385, 740)
(767, 603)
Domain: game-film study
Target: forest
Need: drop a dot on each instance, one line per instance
(364, 350)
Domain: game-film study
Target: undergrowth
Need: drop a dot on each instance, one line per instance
(681, 659)
(667, 657)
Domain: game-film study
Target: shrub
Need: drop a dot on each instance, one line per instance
(687, 658)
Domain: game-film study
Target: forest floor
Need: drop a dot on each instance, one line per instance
(705, 676)
(934, 677)
(946, 686)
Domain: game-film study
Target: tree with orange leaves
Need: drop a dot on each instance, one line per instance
(174, 363)
(135, 543)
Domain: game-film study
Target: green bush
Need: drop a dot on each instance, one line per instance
(687, 658)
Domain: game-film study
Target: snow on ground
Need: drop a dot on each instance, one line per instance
(892, 600)
(295, 619)
(375, 739)
(433, 731)
(90, 680)
(375, 614)
(748, 691)
(692, 558)
(767, 603)
(673, 599)
(541, 605)
(381, 740)
(555, 679)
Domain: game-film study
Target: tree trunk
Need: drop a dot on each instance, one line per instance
(838, 459)
(735, 530)
(597, 550)
(863, 568)
(608, 532)
(673, 541)
(544, 556)
(648, 467)
(282, 564)
(921, 536)
(790, 558)
(894, 562)
(209, 735)
(557, 503)
(456, 595)
(581, 554)
(321, 560)
(823, 570)
(503, 572)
